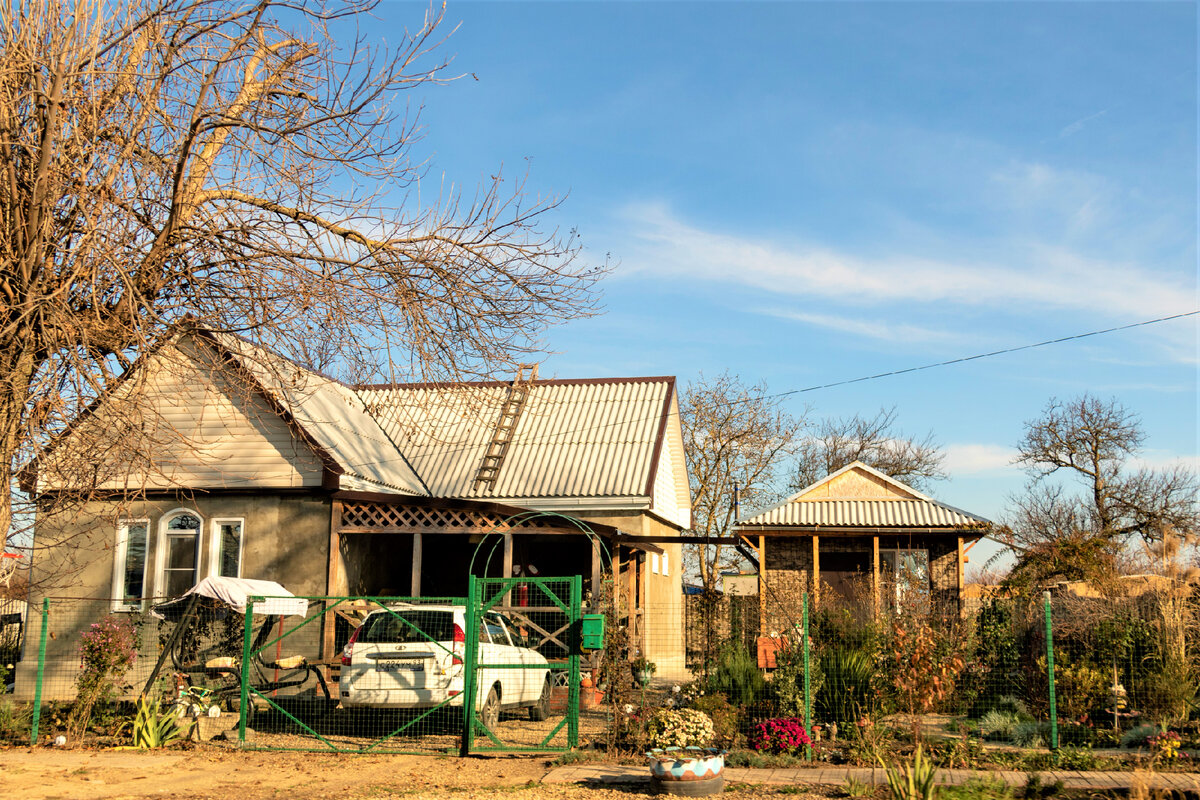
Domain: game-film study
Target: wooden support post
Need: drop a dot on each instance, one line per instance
(597, 573)
(418, 552)
(960, 578)
(762, 586)
(816, 571)
(332, 582)
(876, 594)
(507, 568)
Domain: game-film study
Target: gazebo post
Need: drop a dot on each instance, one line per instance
(418, 548)
(875, 592)
(816, 570)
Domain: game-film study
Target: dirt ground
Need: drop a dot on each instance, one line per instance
(46, 774)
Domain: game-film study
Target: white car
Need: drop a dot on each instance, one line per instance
(411, 656)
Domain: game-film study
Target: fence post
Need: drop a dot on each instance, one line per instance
(573, 662)
(470, 648)
(247, 643)
(1050, 673)
(807, 683)
(41, 673)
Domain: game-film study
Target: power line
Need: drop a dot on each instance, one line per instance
(964, 359)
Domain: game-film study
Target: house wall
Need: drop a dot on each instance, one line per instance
(662, 622)
(285, 539)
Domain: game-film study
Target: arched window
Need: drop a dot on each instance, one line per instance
(181, 544)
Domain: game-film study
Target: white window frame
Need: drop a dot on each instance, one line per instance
(214, 546)
(160, 548)
(666, 564)
(654, 563)
(120, 554)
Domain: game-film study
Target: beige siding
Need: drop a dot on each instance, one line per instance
(856, 485)
(183, 422)
(672, 499)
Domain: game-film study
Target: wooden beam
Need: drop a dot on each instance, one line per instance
(816, 570)
(960, 577)
(876, 593)
(597, 573)
(332, 575)
(418, 553)
(762, 586)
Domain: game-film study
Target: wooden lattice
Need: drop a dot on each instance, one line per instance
(402, 518)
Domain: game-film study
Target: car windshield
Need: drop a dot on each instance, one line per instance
(408, 626)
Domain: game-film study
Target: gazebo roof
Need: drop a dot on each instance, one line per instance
(859, 496)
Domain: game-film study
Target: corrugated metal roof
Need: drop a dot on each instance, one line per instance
(332, 414)
(865, 514)
(869, 499)
(585, 438)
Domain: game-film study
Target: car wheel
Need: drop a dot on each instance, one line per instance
(489, 715)
(541, 710)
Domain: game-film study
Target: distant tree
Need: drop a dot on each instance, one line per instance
(834, 443)
(1058, 532)
(238, 163)
(733, 435)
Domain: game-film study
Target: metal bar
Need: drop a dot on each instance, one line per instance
(247, 646)
(41, 672)
(469, 657)
(1050, 673)
(188, 614)
(290, 716)
(573, 679)
(807, 684)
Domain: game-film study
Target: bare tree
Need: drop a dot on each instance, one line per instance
(733, 435)
(1089, 442)
(873, 441)
(238, 164)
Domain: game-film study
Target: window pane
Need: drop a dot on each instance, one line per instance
(184, 522)
(231, 549)
(135, 562)
(181, 552)
(179, 581)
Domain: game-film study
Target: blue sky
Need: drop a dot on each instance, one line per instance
(810, 192)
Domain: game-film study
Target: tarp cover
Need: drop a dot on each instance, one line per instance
(234, 592)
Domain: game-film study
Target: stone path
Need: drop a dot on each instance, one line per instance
(604, 774)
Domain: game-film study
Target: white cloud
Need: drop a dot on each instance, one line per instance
(1038, 276)
(872, 328)
(972, 458)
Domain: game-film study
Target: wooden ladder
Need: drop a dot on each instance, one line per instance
(510, 412)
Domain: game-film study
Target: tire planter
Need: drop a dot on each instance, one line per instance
(687, 771)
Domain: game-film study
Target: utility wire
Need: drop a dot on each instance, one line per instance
(456, 447)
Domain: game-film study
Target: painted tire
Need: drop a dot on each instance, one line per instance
(689, 788)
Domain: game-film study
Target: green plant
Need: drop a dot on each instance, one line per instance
(1031, 734)
(15, 721)
(1075, 758)
(154, 726)
(1035, 789)
(736, 675)
(1137, 736)
(847, 691)
(787, 683)
(684, 727)
(856, 788)
(998, 724)
(643, 664)
(915, 781)
(106, 651)
(978, 789)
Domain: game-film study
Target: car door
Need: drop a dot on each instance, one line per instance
(514, 653)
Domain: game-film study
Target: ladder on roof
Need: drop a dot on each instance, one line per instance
(510, 412)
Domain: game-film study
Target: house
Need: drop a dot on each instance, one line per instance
(248, 465)
(860, 537)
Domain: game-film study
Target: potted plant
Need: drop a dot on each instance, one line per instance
(643, 670)
(682, 760)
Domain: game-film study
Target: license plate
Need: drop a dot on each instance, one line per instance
(401, 665)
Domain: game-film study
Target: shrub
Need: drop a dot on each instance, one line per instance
(779, 735)
(106, 651)
(998, 725)
(684, 727)
(847, 692)
(787, 683)
(1137, 736)
(737, 676)
(723, 715)
(1074, 734)
(1031, 734)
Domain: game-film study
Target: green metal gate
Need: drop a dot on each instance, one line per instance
(524, 648)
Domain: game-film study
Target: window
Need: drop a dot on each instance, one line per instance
(666, 561)
(180, 554)
(654, 563)
(129, 565)
(226, 548)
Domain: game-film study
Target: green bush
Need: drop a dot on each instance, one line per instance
(847, 691)
(1031, 734)
(998, 725)
(1071, 734)
(724, 718)
(737, 676)
(1137, 736)
(787, 683)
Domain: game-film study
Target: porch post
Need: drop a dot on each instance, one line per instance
(332, 584)
(762, 586)
(816, 570)
(597, 572)
(875, 593)
(418, 553)
(962, 607)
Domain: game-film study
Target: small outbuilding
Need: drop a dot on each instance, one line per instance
(863, 539)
